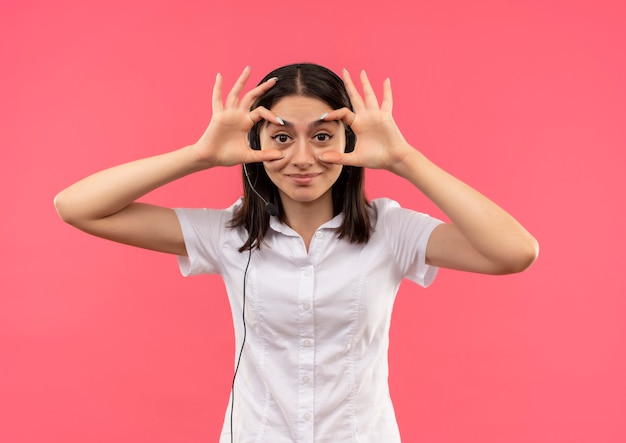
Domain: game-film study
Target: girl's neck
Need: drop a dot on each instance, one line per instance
(306, 217)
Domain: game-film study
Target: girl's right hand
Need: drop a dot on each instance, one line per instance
(225, 141)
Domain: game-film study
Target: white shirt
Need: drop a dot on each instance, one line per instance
(314, 365)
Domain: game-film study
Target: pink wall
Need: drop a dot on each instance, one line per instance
(526, 101)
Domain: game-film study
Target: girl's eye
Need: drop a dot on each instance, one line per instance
(281, 138)
(322, 137)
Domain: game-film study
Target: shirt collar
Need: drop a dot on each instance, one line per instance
(278, 226)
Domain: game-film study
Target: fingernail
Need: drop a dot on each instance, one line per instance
(280, 120)
(273, 78)
(324, 116)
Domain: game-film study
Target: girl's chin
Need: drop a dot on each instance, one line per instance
(306, 198)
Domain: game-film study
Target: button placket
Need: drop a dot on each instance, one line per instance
(306, 354)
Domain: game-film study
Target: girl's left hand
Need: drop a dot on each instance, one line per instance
(380, 144)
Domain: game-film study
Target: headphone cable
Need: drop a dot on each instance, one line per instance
(243, 342)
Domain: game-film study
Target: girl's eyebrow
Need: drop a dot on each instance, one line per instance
(313, 124)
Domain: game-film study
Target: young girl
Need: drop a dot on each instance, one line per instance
(311, 268)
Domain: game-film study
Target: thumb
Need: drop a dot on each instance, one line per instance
(265, 155)
(336, 158)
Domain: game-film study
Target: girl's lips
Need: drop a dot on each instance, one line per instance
(303, 179)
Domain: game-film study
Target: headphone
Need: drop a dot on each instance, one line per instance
(270, 208)
(254, 143)
(243, 340)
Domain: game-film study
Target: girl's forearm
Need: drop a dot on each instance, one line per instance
(493, 232)
(108, 191)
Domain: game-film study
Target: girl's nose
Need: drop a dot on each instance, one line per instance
(303, 155)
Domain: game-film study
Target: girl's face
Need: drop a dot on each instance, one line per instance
(300, 176)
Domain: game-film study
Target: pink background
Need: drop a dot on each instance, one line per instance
(526, 101)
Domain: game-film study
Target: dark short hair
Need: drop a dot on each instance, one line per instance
(348, 194)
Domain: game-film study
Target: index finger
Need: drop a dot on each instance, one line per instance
(253, 94)
(343, 114)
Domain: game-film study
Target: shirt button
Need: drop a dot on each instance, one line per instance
(306, 306)
(318, 234)
(306, 417)
(305, 379)
(306, 342)
(307, 272)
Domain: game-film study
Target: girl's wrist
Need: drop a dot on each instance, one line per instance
(408, 163)
(197, 162)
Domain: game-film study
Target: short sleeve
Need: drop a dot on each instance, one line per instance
(202, 230)
(407, 233)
